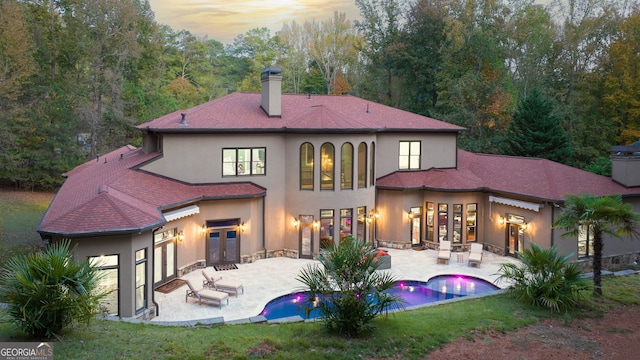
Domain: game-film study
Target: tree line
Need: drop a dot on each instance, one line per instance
(558, 81)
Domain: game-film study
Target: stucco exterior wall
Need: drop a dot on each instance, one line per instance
(125, 247)
(438, 150)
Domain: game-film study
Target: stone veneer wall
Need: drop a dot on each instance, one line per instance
(612, 262)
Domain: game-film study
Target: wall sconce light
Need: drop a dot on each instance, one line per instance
(295, 222)
(500, 220)
(410, 215)
(242, 227)
(316, 224)
(524, 226)
(181, 235)
(203, 229)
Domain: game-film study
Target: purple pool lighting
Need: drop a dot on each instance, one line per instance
(438, 288)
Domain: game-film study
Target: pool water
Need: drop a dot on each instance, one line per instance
(438, 288)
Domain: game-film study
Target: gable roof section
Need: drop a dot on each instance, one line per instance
(332, 113)
(531, 177)
(111, 195)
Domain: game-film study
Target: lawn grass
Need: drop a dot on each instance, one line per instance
(411, 334)
(20, 214)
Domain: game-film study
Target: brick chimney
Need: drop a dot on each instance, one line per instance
(271, 100)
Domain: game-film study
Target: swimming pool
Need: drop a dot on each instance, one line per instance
(438, 288)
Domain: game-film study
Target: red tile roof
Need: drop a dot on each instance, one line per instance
(531, 177)
(242, 112)
(110, 195)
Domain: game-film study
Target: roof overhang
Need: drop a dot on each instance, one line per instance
(182, 212)
(517, 203)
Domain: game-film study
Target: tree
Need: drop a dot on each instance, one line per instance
(349, 292)
(601, 215)
(332, 47)
(380, 28)
(475, 90)
(622, 82)
(536, 132)
(48, 291)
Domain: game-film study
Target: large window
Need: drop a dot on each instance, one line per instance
(346, 217)
(362, 165)
(362, 223)
(430, 221)
(326, 228)
(409, 155)
(306, 167)
(585, 241)
(327, 154)
(457, 223)
(141, 279)
(346, 167)
(472, 213)
(443, 221)
(372, 164)
(244, 161)
(107, 266)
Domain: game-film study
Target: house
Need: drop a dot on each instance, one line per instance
(257, 175)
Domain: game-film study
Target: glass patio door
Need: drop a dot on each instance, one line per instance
(164, 255)
(223, 247)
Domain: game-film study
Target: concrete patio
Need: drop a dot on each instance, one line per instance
(267, 279)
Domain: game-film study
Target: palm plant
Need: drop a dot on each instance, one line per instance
(602, 215)
(48, 291)
(545, 278)
(346, 289)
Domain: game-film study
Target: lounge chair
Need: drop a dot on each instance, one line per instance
(212, 296)
(475, 255)
(444, 252)
(231, 287)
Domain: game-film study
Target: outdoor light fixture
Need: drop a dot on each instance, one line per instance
(181, 235)
(500, 220)
(316, 224)
(243, 227)
(410, 215)
(203, 229)
(295, 222)
(524, 226)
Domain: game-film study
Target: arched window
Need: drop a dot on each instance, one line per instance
(346, 167)
(372, 164)
(362, 165)
(327, 172)
(306, 167)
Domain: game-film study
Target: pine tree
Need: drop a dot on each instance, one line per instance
(536, 131)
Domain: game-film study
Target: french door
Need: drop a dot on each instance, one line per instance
(223, 246)
(164, 262)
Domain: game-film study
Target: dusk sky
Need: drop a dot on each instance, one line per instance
(223, 20)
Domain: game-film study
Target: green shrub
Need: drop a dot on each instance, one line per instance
(545, 279)
(350, 293)
(48, 291)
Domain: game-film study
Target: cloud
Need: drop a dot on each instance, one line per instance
(223, 20)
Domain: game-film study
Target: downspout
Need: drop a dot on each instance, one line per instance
(153, 275)
(553, 219)
(264, 231)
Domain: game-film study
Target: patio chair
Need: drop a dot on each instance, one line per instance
(475, 255)
(444, 252)
(231, 287)
(212, 296)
